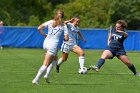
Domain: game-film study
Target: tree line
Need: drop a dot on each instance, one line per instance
(93, 13)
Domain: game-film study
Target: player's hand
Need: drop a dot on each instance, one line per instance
(71, 19)
(45, 35)
(108, 43)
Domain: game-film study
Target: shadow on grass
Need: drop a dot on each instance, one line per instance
(100, 73)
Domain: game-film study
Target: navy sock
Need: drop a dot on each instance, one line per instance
(132, 68)
(100, 63)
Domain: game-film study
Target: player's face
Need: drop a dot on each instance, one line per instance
(60, 14)
(119, 27)
(76, 22)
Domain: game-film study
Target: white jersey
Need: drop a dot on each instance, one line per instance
(72, 30)
(54, 33)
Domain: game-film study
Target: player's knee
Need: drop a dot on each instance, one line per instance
(104, 56)
(128, 63)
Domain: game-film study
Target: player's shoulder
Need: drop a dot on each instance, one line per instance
(113, 30)
(69, 24)
(48, 22)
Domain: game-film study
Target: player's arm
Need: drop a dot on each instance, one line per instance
(40, 29)
(81, 36)
(110, 33)
(66, 36)
(124, 33)
(69, 21)
(109, 37)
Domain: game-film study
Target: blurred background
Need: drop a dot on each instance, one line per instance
(19, 21)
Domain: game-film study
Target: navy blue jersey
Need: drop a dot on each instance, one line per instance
(117, 40)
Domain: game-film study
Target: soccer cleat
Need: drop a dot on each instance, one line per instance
(137, 74)
(35, 82)
(57, 68)
(88, 68)
(94, 68)
(46, 79)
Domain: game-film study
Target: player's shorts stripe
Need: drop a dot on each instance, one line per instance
(63, 46)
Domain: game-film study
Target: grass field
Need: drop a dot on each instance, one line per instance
(19, 66)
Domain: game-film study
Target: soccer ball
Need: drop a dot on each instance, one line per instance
(82, 70)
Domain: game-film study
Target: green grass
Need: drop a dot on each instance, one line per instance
(19, 66)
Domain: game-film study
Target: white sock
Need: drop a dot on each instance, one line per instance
(40, 72)
(59, 62)
(81, 61)
(49, 69)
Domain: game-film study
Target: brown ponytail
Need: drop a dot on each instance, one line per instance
(123, 23)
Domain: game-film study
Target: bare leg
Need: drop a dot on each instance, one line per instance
(127, 62)
(48, 59)
(81, 55)
(105, 55)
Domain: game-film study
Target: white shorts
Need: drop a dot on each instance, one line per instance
(67, 48)
(52, 47)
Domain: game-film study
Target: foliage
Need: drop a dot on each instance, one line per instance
(93, 13)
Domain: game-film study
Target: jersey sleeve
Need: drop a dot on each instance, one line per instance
(65, 30)
(47, 23)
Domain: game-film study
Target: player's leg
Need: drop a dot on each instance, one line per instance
(65, 48)
(81, 54)
(47, 60)
(49, 69)
(105, 55)
(126, 61)
(61, 60)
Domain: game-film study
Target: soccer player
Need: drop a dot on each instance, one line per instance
(55, 28)
(116, 48)
(71, 44)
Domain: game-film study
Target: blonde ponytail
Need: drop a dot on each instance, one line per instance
(58, 18)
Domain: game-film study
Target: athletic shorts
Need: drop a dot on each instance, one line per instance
(67, 48)
(116, 52)
(52, 47)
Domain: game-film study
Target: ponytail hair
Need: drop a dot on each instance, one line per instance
(58, 18)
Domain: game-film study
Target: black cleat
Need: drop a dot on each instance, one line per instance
(57, 68)
(88, 68)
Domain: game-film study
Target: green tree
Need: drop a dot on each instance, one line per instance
(93, 13)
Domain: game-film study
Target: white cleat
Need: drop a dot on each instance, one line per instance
(94, 68)
(46, 79)
(35, 82)
(137, 74)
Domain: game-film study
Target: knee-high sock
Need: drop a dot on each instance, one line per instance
(49, 69)
(81, 61)
(132, 68)
(59, 62)
(40, 72)
(100, 63)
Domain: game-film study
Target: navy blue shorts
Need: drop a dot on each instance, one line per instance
(116, 52)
